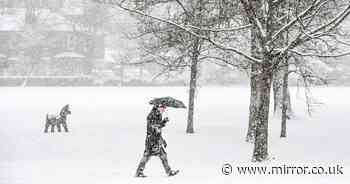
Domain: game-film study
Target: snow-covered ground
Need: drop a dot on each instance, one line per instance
(107, 132)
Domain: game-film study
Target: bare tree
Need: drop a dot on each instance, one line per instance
(310, 22)
(175, 48)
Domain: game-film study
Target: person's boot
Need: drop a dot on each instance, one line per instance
(140, 175)
(173, 172)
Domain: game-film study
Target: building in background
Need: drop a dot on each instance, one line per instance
(42, 43)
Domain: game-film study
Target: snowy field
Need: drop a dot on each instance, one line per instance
(107, 132)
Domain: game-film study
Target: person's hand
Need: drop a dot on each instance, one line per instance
(166, 119)
(164, 143)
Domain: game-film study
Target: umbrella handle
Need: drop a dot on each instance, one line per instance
(165, 114)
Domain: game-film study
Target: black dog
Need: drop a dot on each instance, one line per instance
(57, 120)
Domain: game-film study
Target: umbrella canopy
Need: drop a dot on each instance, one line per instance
(168, 101)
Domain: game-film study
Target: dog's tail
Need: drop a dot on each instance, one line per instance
(47, 118)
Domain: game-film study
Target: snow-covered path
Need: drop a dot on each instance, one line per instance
(107, 132)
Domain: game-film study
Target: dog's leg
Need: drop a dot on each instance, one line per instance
(46, 127)
(46, 123)
(58, 127)
(52, 127)
(65, 126)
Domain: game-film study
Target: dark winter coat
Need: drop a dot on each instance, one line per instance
(154, 140)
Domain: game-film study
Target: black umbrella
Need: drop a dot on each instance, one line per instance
(168, 101)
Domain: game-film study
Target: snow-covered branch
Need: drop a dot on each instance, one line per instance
(183, 8)
(320, 55)
(188, 30)
(223, 29)
(293, 21)
(334, 22)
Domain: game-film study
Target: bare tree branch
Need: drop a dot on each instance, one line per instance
(184, 9)
(235, 50)
(223, 29)
(292, 22)
(320, 55)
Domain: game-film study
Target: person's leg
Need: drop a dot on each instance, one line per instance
(164, 158)
(142, 164)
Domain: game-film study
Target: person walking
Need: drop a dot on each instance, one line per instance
(155, 144)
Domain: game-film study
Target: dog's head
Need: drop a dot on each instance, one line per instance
(65, 110)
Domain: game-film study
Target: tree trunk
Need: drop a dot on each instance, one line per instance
(193, 86)
(278, 92)
(252, 106)
(253, 87)
(285, 101)
(197, 20)
(282, 71)
(262, 114)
